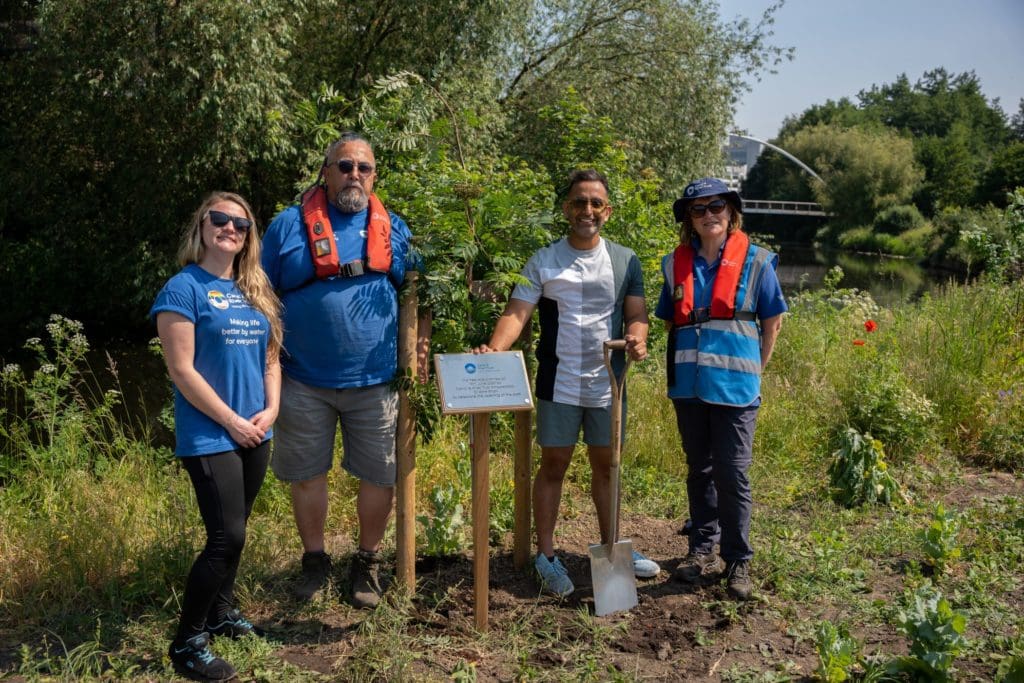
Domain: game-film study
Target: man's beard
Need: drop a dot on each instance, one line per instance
(351, 199)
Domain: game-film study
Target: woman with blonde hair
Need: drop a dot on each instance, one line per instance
(220, 328)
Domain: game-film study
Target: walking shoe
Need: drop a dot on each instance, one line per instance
(696, 565)
(233, 625)
(364, 578)
(738, 579)
(194, 660)
(643, 567)
(316, 568)
(554, 578)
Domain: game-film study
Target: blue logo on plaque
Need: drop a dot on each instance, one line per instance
(470, 368)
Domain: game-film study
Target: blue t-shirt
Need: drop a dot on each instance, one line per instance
(230, 353)
(339, 332)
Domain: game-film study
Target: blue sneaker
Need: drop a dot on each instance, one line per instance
(554, 578)
(644, 568)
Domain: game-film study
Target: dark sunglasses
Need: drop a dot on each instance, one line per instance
(346, 166)
(581, 203)
(716, 207)
(220, 219)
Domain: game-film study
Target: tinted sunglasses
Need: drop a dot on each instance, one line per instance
(220, 219)
(596, 203)
(346, 166)
(716, 207)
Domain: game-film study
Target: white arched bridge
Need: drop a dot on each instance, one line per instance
(781, 207)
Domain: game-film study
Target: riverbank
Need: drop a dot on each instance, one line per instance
(99, 527)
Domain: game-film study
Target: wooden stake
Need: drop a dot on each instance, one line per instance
(480, 448)
(405, 513)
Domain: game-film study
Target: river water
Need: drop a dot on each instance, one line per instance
(891, 281)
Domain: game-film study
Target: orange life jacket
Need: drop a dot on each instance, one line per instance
(723, 291)
(321, 237)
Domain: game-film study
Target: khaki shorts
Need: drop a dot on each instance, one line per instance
(305, 429)
(558, 424)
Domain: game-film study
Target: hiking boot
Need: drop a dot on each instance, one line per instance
(316, 569)
(364, 578)
(233, 625)
(554, 578)
(644, 568)
(194, 660)
(737, 576)
(696, 565)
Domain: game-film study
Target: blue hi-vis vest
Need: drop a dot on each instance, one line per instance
(719, 361)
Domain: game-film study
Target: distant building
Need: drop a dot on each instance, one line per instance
(740, 155)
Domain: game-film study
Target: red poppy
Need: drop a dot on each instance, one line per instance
(870, 325)
(858, 342)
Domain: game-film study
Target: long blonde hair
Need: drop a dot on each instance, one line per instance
(247, 269)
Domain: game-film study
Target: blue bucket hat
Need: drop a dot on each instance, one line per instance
(704, 187)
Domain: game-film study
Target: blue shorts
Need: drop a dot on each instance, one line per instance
(558, 424)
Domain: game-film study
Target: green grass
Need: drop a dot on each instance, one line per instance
(99, 527)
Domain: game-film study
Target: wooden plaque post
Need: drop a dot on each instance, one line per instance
(405, 513)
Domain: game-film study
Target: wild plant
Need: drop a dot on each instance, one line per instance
(444, 532)
(59, 419)
(1001, 250)
(939, 538)
(858, 473)
(936, 633)
(838, 652)
(502, 509)
(879, 398)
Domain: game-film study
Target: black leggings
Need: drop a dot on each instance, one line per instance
(226, 485)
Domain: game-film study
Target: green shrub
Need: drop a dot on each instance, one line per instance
(444, 532)
(898, 219)
(939, 538)
(936, 635)
(838, 652)
(858, 473)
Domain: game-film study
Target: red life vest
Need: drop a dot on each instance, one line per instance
(321, 236)
(723, 291)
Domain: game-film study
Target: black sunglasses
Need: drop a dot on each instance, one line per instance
(596, 203)
(716, 207)
(220, 219)
(346, 166)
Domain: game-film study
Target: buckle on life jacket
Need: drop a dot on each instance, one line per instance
(698, 316)
(351, 269)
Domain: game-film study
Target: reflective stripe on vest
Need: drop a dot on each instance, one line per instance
(719, 361)
(321, 236)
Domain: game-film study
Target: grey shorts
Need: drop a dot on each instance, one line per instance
(558, 424)
(305, 429)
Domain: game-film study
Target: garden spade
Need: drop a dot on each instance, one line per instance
(611, 564)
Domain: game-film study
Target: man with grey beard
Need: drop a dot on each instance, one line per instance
(337, 260)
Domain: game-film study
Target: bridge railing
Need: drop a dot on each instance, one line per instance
(778, 207)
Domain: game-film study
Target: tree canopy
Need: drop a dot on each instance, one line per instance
(119, 116)
(958, 137)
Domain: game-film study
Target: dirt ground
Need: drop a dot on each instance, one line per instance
(664, 633)
(677, 632)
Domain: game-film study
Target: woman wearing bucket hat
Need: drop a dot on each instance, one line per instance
(723, 307)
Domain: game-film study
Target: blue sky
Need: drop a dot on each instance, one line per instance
(844, 46)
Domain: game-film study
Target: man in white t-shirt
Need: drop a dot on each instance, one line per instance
(587, 290)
